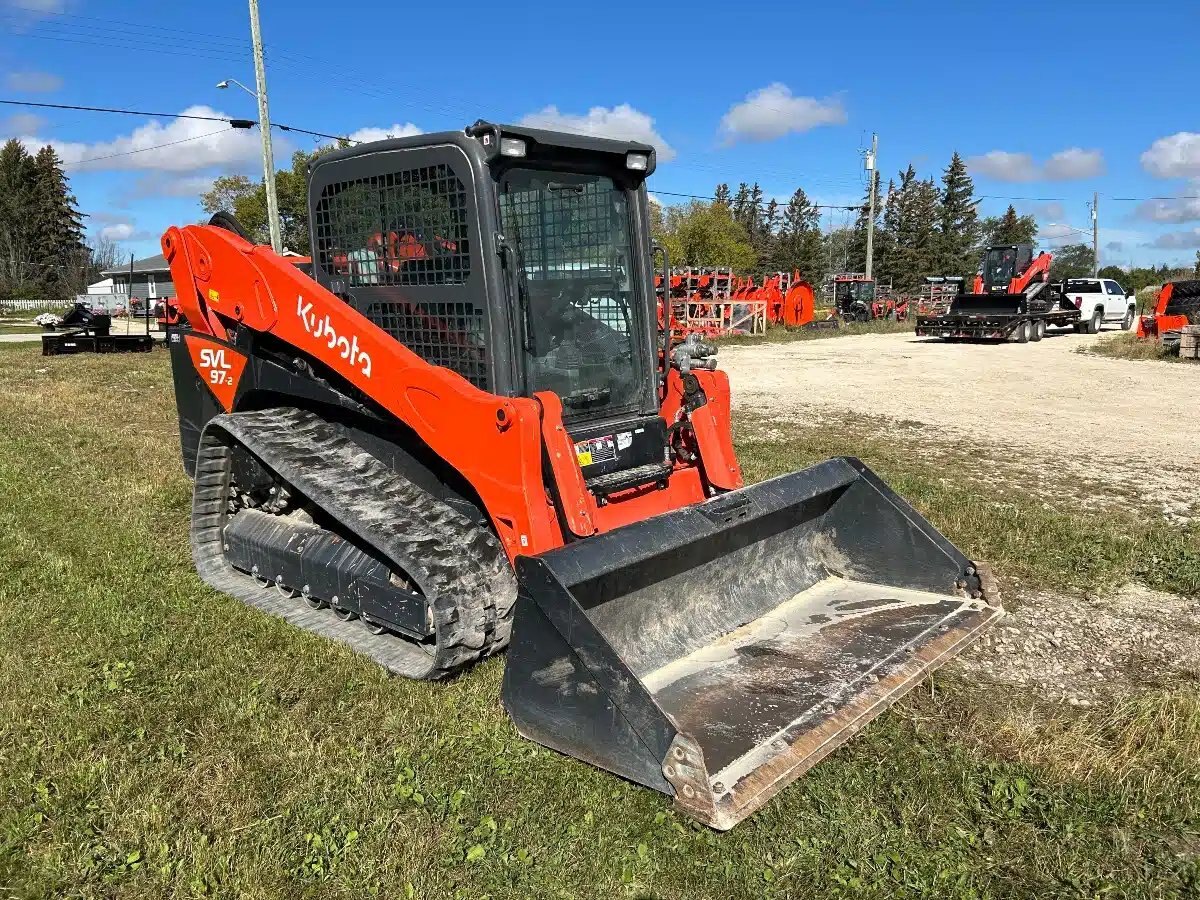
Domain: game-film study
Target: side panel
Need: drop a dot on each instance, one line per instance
(494, 442)
(193, 401)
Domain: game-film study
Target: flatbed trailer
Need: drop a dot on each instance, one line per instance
(61, 342)
(90, 331)
(997, 317)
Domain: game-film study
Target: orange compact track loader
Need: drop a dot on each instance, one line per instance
(464, 431)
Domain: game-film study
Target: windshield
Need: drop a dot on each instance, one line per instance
(1000, 266)
(571, 235)
(849, 291)
(1083, 287)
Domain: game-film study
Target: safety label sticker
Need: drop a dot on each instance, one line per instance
(596, 450)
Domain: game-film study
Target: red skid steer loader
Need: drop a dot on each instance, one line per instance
(464, 431)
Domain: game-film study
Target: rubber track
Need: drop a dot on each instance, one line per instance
(458, 566)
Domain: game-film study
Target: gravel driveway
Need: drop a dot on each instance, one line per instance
(1107, 419)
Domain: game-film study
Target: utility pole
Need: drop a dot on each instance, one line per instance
(264, 125)
(1095, 236)
(871, 203)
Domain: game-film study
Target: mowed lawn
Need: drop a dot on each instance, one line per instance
(158, 739)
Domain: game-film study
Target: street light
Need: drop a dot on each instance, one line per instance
(264, 126)
(222, 85)
(1068, 227)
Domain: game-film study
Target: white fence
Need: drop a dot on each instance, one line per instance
(23, 305)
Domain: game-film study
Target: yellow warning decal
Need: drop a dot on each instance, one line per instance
(213, 296)
(584, 457)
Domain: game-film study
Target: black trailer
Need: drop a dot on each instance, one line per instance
(1000, 317)
(91, 332)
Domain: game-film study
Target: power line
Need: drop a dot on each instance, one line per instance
(111, 28)
(41, 11)
(195, 137)
(236, 123)
(1038, 199)
(1177, 197)
(758, 203)
(110, 43)
(320, 134)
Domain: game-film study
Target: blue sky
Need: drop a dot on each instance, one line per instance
(1048, 102)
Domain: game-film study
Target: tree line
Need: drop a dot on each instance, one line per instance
(43, 256)
(922, 227)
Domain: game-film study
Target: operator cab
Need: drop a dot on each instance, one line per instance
(1002, 264)
(516, 257)
(853, 296)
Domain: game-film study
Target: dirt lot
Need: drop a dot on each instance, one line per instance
(1005, 413)
(1107, 420)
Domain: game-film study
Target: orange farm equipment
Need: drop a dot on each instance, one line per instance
(707, 303)
(937, 293)
(857, 298)
(473, 437)
(1177, 306)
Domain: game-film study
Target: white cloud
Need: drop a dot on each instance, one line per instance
(623, 123)
(26, 12)
(366, 135)
(1178, 240)
(1176, 156)
(32, 82)
(1073, 163)
(39, 7)
(194, 145)
(1056, 235)
(1003, 166)
(161, 184)
(772, 112)
(1173, 211)
(122, 231)
(1065, 165)
(20, 124)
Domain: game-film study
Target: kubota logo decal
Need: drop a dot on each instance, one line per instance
(322, 329)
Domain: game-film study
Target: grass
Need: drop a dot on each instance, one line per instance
(781, 335)
(160, 740)
(1126, 345)
(1032, 531)
(14, 328)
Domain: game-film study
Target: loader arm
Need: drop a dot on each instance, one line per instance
(238, 282)
(495, 443)
(1039, 270)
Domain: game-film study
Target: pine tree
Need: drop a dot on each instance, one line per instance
(765, 238)
(1009, 229)
(16, 179)
(741, 201)
(958, 222)
(56, 228)
(721, 194)
(908, 241)
(800, 244)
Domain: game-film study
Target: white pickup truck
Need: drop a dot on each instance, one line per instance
(1099, 300)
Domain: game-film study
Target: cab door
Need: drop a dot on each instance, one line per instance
(1115, 302)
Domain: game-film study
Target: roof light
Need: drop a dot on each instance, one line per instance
(512, 147)
(636, 161)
